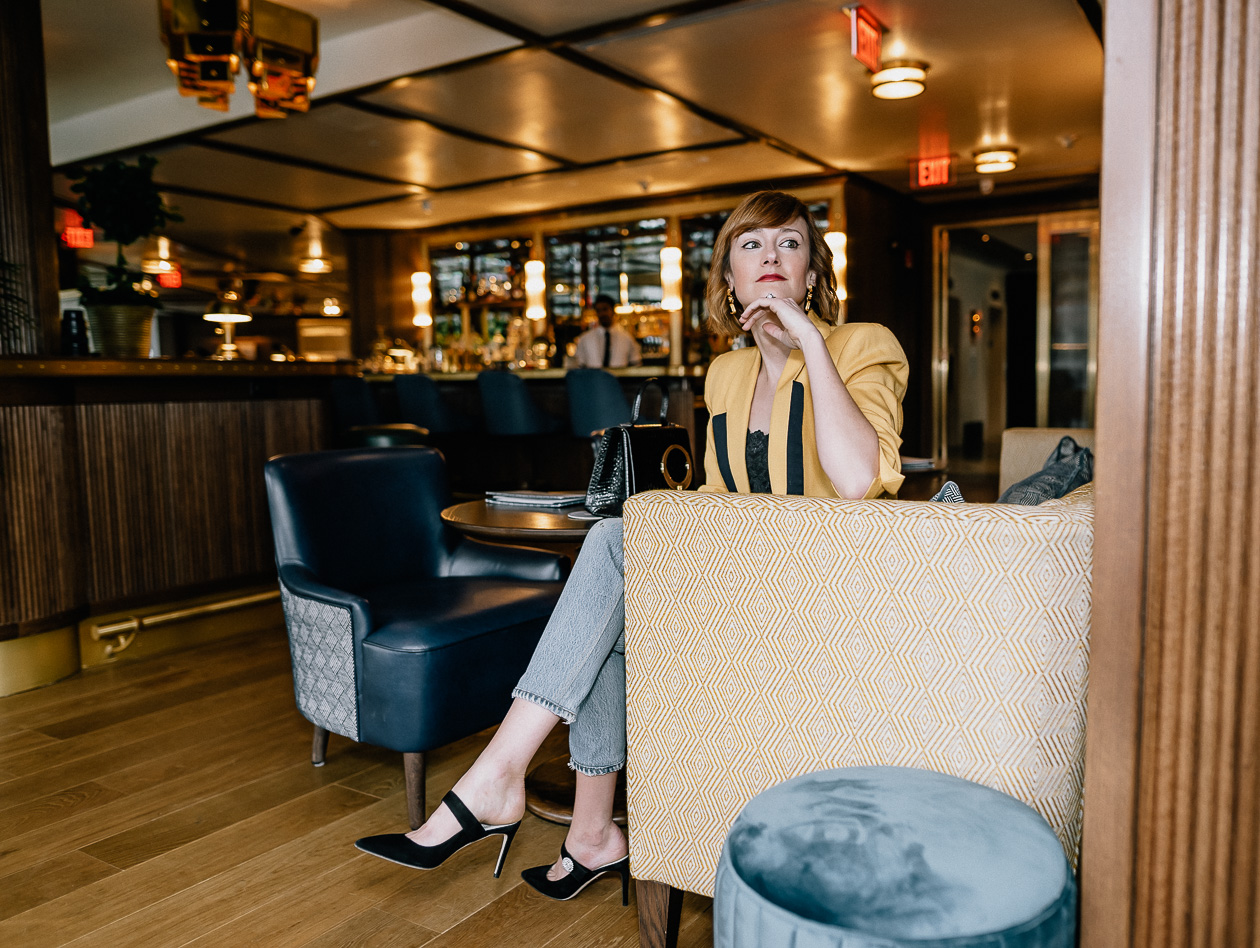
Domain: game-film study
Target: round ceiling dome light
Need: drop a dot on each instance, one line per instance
(995, 160)
(901, 79)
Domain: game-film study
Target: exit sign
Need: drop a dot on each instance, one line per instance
(931, 172)
(867, 38)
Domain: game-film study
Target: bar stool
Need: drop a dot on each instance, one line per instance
(420, 403)
(596, 401)
(509, 408)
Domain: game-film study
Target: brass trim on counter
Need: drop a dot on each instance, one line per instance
(631, 372)
(168, 368)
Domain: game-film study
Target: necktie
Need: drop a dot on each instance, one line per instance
(607, 348)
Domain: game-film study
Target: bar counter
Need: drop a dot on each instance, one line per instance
(127, 484)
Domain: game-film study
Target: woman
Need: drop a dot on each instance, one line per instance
(811, 409)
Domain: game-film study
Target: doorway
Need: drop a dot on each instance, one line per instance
(1015, 332)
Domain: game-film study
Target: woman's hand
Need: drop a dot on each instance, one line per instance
(781, 320)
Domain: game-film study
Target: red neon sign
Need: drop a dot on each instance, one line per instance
(867, 38)
(74, 234)
(931, 172)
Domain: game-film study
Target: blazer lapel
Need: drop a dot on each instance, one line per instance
(737, 413)
(787, 427)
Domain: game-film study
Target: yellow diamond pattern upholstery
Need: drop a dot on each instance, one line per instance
(771, 636)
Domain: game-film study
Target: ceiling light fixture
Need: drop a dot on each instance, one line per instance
(422, 298)
(535, 289)
(206, 41)
(313, 259)
(900, 79)
(227, 310)
(995, 160)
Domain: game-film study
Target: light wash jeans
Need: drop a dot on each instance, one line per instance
(579, 667)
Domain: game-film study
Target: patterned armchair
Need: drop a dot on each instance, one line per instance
(768, 637)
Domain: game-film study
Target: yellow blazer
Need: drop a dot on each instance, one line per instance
(872, 366)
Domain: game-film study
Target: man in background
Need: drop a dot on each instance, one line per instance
(606, 346)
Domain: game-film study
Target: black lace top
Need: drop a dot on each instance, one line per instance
(757, 461)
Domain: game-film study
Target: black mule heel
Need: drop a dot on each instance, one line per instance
(397, 848)
(578, 878)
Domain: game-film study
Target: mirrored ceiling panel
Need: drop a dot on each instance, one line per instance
(1029, 72)
(540, 101)
(650, 177)
(562, 16)
(407, 151)
(230, 175)
(258, 238)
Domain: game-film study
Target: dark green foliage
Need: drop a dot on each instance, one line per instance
(123, 201)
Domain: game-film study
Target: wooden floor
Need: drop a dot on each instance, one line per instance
(172, 802)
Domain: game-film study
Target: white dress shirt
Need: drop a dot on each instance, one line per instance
(623, 350)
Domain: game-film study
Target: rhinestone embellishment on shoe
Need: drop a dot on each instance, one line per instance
(567, 863)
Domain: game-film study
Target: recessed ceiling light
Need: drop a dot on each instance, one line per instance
(900, 79)
(995, 160)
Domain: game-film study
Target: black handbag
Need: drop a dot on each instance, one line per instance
(637, 457)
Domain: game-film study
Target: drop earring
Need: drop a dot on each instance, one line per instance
(730, 301)
(809, 298)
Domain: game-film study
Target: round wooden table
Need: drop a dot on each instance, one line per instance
(549, 787)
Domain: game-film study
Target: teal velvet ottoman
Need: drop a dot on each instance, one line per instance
(884, 857)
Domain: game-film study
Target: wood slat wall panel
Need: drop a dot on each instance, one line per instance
(174, 492)
(39, 514)
(1196, 841)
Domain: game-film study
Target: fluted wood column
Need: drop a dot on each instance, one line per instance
(27, 235)
(1172, 802)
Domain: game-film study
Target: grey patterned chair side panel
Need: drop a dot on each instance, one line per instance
(321, 642)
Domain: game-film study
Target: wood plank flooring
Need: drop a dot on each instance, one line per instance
(171, 802)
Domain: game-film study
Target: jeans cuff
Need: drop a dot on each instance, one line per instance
(594, 771)
(566, 716)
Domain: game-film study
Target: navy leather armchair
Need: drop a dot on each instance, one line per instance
(403, 633)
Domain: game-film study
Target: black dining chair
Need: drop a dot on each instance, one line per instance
(356, 418)
(403, 633)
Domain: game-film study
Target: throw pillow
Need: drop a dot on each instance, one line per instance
(1067, 468)
(948, 494)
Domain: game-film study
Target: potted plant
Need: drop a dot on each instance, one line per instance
(123, 201)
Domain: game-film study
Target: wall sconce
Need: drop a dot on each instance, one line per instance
(228, 310)
(623, 286)
(332, 307)
(995, 160)
(838, 241)
(535, 289)
(900, 79)
(671, 279)
(422, 298)
(207, 39)
(313, 260)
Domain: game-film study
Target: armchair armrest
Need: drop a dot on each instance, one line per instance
(768, 637)
(474, 558)
(326, 627)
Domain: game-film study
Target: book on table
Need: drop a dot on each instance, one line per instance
(536, 498)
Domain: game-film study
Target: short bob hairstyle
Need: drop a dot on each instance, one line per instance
(767, 209)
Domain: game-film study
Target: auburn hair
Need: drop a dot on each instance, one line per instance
(767, 209)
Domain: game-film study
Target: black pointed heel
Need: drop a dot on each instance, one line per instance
(396, 847)
(579, 878)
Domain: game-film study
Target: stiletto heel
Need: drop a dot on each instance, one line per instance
(579, 878)
(396, 847)
(508, 836)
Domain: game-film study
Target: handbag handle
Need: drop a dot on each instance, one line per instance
(634, 412)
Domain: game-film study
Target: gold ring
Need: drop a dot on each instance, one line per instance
(669, 480)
